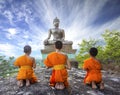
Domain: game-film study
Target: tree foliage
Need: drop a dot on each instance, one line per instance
(108, 51)
(84, 49)
(6, 66)
(112, 48)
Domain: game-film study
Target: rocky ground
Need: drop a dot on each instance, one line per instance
(112, 84)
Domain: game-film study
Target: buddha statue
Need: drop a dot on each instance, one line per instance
(57, 33)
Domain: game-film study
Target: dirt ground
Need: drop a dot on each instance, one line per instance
(111, 78)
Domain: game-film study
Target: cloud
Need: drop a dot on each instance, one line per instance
(8, 49)
(81, 27)
(29, 23)
(12, 31)
(79, 19)
(9, 15)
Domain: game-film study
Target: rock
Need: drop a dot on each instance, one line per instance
(74, 64)
(28, 93)
(8, 85)
(20, 93)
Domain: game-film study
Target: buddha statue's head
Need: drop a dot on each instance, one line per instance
(56, 22)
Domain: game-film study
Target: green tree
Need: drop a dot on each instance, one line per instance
(6, 66)
(84, 50)
(112, 48)
(109, 51)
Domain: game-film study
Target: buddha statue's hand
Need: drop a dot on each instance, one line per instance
(62, 39)
(46, 41)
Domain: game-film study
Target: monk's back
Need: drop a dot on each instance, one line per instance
(91, 63)
(24, 61)
(57, 58)
(93, 68)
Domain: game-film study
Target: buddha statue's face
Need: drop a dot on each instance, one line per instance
(56, 24)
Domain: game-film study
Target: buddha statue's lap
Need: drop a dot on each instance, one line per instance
(51, 42)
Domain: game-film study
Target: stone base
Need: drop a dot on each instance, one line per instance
(66, 49)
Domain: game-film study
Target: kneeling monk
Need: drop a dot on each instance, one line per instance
(60, 63)
(26, 65)
(93, 68)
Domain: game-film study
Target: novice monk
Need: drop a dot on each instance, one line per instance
(60, 63)
(26, 65)
(93, 68)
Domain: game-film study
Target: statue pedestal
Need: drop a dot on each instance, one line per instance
(66, 49)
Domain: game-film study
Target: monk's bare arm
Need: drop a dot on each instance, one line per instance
(34, 63)
(101, 66)
(68, 64)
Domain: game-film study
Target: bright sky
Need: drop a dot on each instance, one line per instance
(28, 21)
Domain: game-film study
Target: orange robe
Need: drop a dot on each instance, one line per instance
(59, 74)
(26, 71)
(93, 68)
